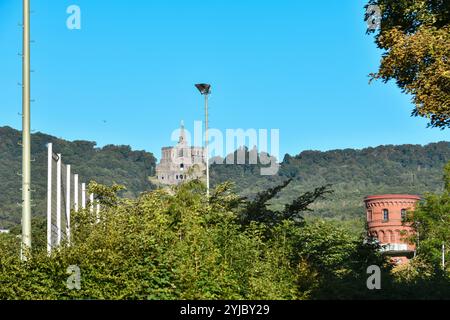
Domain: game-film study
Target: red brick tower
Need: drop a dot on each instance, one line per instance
(385, 217)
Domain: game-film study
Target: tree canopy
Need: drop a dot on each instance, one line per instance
(181, 245)
(432, 223)
(415, 37)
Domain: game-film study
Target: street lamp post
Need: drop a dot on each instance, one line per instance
(205, 90)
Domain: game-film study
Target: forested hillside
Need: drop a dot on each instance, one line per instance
(353, 174)
(105, 165)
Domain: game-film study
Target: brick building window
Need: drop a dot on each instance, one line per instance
(385, 214)
(403, 214)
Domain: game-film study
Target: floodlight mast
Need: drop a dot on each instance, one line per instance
(26, 139)
(205, 89)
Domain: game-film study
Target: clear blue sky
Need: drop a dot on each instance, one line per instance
(298, 66)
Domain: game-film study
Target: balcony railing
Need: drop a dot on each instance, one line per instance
(394, 247)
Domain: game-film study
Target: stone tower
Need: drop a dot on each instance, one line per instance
(181, 162)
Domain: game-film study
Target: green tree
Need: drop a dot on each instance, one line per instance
(162, 245)
(431, 220)
(177, 244)
(257, 210)
(415, 37)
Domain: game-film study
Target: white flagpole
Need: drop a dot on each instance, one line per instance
(91, 200)
(75, 192)
(49, 196)
(68, 203)
(58, 200)
(83, 195)
(98, 212)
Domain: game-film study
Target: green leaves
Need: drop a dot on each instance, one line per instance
(432, 223)
(258, 209)
(179, 245)
(415, 37)
(159, 246)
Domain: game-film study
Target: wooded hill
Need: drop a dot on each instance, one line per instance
(353, 174)
(105, 165)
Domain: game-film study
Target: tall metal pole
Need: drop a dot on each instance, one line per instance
(205, 89)
(49, 197)
(418, 235)
(75, 190)
(98, 212)
(83, 195)
(206, 145)
(68, 203)
(91, 203)
(26, 139)
(58, 200)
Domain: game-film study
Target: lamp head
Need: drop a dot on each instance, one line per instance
(204, 88)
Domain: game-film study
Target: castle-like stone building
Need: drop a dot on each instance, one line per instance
(181, 162)
(386, 216)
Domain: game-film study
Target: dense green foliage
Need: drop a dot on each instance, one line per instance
(415, 38)
(105, 165)
(178, 245)
(432, 223)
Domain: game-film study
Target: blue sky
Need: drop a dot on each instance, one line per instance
(294, 65)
